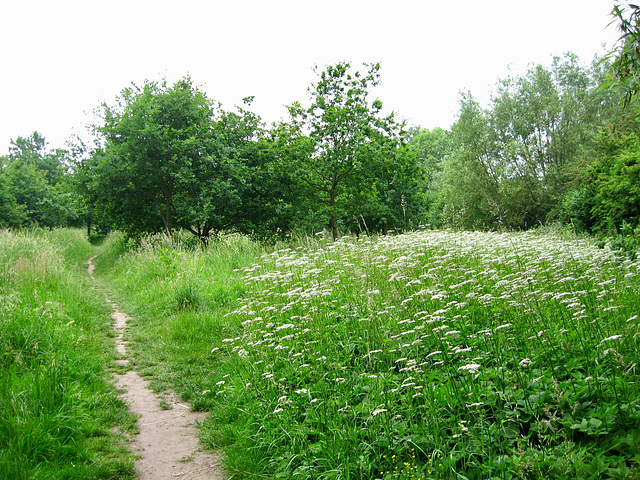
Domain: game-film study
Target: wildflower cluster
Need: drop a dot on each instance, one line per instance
(499, 350)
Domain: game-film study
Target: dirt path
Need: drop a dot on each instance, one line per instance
(168, 441)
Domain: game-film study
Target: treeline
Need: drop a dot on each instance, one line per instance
(549, 147)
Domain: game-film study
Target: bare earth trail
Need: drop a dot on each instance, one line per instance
(168, 441)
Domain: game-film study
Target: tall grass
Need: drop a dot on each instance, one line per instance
(56, 403)
(177, 294)
(426, 355)
(435, 355)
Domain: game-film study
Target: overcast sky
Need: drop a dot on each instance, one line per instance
(61, 59)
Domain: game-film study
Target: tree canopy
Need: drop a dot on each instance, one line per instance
(513, 162)
(624, 71)
(171, 158)
(549, 146)
(343, 142)
(33, 190)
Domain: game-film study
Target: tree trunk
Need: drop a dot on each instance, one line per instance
(165, 214)
(334, 220)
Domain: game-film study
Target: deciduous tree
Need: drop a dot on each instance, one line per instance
(624, 71)
(348, 137)
(171, 158)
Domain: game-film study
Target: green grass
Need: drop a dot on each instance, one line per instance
(57, 406)
(426, 355)
(177, 296)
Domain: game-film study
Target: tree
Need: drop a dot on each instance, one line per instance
(32, 150)
(624, 71)
(272, 202)
(467, 187)
(613, 180)
(171, 159)
(34, 185)
(347, 136)
(431, 148)
(152, 139)
(12, 214)
(527, 149)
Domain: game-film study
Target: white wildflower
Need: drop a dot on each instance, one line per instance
(472, 367)
(614, 307)
(609, 339)
(278, 410)
(457, 349)
(377, 411)
(525, 362)
(282, 327)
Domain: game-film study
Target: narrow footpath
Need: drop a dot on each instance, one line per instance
(167, 444)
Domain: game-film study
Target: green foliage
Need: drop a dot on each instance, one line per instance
(12, 214)
(171, 159)
(575, 209)
(625, 64)
(57, 406)
(614, 180)
(341, 146)
(34, 186)
(435, 354)
(628, 242)
(514, 162)
(431, 147)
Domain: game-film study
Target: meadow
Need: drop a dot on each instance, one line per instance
(58, 409)
(435, 354)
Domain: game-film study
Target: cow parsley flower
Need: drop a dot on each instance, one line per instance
(525, 362)
(472, 367)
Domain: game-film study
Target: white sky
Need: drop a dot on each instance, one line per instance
(61, 59)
